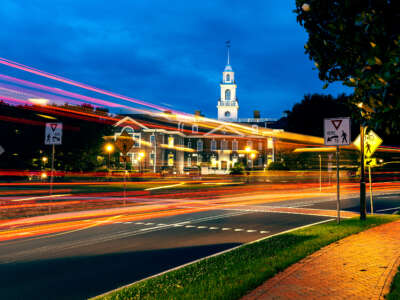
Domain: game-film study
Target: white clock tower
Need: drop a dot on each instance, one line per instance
(228, 105)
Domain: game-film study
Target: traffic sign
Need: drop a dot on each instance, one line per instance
(371, 142)
(337, 131)
(53, 134)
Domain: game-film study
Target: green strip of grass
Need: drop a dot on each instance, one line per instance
(394, 288)
(232, 274)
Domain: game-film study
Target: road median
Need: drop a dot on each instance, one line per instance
(234, 273)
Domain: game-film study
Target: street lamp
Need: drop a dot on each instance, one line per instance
(44, 161)
(320, 172)
(109, 148)
(140, 157)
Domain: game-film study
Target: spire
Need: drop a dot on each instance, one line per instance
(228, 45)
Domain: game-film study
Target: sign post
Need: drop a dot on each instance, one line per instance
(52, 136)
(337, 133)
(371, 142)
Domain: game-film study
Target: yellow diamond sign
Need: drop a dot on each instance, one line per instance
(371, 143)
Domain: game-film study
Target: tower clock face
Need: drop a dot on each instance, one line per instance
(227, 114)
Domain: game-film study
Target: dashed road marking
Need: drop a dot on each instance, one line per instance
(182, 224)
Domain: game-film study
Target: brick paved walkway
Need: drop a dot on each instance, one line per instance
(361, 266)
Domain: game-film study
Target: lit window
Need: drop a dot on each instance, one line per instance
(224, 145)
(153, 140)
(250, 144)
(213, 145)
(170, 159)
(228, 77)
(228, 95)
(136, 138)
(170, 141)
(195, 128)
(199, 145)
(235, 145)
(260, 146)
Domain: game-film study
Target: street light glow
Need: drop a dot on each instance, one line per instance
(109, 148)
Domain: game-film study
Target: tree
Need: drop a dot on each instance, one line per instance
(358, 42)
(307, 117)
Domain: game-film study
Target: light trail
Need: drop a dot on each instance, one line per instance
(77, 84)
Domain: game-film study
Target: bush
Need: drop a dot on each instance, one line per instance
(277, 166)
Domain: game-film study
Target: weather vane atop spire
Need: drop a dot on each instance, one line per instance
(228, 45)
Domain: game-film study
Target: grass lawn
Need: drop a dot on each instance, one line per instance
(232, 274)
(394, 288)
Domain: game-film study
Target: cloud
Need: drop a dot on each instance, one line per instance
(166, 51)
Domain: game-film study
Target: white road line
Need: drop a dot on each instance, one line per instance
(226, 228)
(177, 225)
(239, 229)
(214, 228)
(139, 223)
(201, 227)
(263, 231)
(393, 208)
(189, 226)
(251, 230)
(161, 224)
(163, 187)
(126, 222)
(147, 224)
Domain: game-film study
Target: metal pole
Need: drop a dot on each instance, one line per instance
(320, 173)
(155, 153)
(370, 189)
(51, 176)
(52, 171)
(125, 187)
(338, 185)
(363, 206)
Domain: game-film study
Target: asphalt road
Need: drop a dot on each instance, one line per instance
(87, 262)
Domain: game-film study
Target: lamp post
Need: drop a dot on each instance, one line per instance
(320, 172)
(140, 158)
(109, 148)
(44, 161)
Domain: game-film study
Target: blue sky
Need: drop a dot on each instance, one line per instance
(170, 53)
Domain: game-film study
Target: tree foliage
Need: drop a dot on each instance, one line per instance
(307, 117)
(22, 137)
(358, 42)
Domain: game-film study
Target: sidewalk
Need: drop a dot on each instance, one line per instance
(361, 266)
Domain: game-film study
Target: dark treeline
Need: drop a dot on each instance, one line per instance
(22, 137)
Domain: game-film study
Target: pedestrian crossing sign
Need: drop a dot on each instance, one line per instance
(371, 142)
